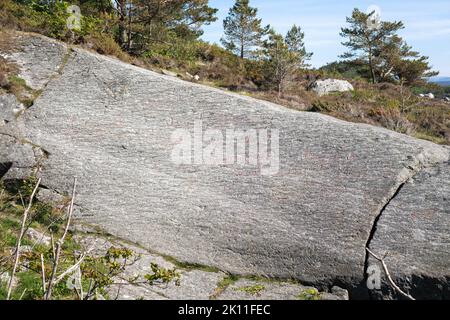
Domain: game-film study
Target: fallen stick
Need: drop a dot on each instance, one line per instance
(386, 271)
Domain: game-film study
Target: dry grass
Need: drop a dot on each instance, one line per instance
(104, 44)
(7, 68)
(381, 105)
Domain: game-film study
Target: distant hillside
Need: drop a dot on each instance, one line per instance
(443, 81)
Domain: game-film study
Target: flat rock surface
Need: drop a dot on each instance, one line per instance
(111, 125)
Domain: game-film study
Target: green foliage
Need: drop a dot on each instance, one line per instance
(366, 41)
(283, 57)
(310, 294)
(387, 55)
(102, 270)
(144, 23)
(254, 290)
(227, 281)
(162, 275)
(29, 285)
(348, 69)
(243, 30)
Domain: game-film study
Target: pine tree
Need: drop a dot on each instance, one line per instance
(366, 41)
(295, 41)
(400, 63)
(242, 28)
(387, 55)
(283, 57)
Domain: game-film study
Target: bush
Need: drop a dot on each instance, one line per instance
(105, 44)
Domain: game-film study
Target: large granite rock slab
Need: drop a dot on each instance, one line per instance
(310, 218)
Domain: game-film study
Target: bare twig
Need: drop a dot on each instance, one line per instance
(59, 244)
(53, 246)
(385, 268)
(23, 293)
(43, 273)
(19, 239)
(72, 268)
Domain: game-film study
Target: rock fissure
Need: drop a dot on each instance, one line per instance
(374, 229)
(414, 170)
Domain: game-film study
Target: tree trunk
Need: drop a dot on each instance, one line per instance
(372, 70)
(129, 29)
(121, 9)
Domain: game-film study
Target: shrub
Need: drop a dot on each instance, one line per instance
(105, 44)
(391, 118)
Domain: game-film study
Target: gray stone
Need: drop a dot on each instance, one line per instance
(38, 237)
(10, 108)
(110, 124)
(414, 232)
(340, 293)
(38, 66)
(324, 87)
(17, 159)
(50, 197)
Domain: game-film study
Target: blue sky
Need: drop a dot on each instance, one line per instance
(427, 24)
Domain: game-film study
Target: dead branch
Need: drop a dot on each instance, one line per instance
(59, 244)
(19, 239)
(43, 273)
(72, 268)
(23, 293)
(388, 275)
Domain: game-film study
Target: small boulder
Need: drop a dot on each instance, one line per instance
(324, 87)
(51, 197)
(430, 96)
(38, 237)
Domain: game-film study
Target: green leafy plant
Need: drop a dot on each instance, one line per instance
(162, 275)
(310, 294)
(254, 290)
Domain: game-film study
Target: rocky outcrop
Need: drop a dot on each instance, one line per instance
(308, 217)
(324, 87)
